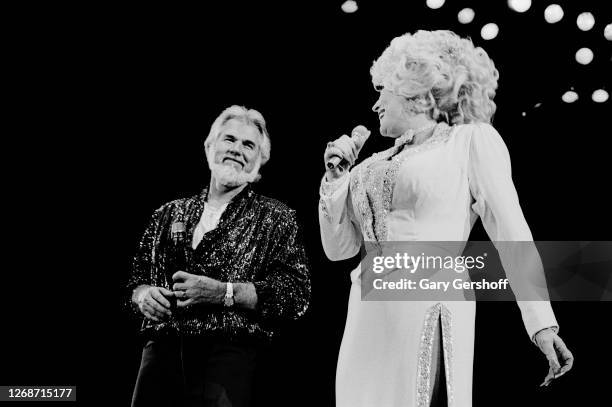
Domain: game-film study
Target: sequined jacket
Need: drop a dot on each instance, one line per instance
(256, 240)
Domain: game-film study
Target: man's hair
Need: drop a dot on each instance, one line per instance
(250, 117)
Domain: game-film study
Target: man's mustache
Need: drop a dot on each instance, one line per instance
(234, 159)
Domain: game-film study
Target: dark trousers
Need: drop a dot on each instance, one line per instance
(195, 372)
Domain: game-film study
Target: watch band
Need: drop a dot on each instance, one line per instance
(229, 295)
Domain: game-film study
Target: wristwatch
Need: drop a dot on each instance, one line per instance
(228, 301)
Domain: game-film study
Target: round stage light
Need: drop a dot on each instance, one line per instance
(608, 32)
(519, 6)
(553, 13)
(600, 96)
(349, 6)
(585, 21)
(569, 97)
(466, 16)
(435, 3)
(584, 56)
(489, 31)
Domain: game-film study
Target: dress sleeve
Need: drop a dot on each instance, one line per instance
(340, 234)
(497, 204)
(284, 291)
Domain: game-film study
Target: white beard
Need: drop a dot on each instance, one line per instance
(228, 175)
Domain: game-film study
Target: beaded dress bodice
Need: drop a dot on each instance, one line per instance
(373, 182)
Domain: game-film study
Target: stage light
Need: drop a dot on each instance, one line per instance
(569, 97)
(608, 32)
(466, 16)
(520, 6)
(553, 13)
(600, 96)
(435, 3)
(489, 31)
(584, 56)
(585, 21)
(349, 6)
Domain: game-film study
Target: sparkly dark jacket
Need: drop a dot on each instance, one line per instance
(256, 240)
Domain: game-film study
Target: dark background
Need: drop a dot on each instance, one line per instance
(112, 105)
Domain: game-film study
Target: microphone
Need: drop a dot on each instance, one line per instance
(177, 254)
(178, 233)
(359, 135)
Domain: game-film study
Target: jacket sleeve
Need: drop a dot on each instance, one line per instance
(340, 234)
(284, 291)
(497, 204)
(145, 264)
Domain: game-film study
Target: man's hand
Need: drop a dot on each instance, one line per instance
(192, 289)
(153, 302)
(554, 348)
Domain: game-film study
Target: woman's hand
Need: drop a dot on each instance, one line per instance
(344, 148)
(555, 350)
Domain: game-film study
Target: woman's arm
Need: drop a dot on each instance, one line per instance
(497, 204)
(340, 234)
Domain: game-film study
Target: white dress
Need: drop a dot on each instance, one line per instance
(430, 192)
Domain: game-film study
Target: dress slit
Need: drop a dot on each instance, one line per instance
(438, 370)
(434, 379)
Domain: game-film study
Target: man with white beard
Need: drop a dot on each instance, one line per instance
(213, 272)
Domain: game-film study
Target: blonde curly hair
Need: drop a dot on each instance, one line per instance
(440, 73)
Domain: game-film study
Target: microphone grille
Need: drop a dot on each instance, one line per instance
(360, 134)
(178, 227)
(360, 129)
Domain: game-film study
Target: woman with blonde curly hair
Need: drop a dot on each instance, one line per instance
(447, 167)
